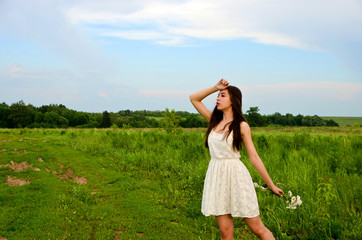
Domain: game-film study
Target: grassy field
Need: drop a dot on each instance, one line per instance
(346, 121)
(147, 184)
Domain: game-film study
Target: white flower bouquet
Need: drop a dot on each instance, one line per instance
(293, 201)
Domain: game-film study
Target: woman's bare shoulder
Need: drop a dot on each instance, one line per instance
(244, 128)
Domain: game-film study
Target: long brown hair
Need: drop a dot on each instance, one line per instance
(238, 117)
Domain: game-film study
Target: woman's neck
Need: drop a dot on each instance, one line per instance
(227, 116)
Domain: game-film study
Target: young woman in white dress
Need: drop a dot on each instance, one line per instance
(228, 189)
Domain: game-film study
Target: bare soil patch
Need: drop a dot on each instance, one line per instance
(70, 176)
(3, 238)
(40, 159)
(19, 151)
(117, 232)
(18, 167)
(2, 150)
(13, 181)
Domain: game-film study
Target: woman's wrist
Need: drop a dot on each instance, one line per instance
(271, 186)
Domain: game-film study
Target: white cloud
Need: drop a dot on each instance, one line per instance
(66, 28)
(289, 23)
(324, 25)
(45, 24)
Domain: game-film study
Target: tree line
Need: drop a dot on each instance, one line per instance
(20, 115)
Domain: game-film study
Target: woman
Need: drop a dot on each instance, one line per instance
(228, 189)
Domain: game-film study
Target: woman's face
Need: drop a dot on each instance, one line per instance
(223, 101)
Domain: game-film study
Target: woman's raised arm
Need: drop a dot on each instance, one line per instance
(197, 97)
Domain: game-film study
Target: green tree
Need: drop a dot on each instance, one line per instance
(332, 123)
(289, 118)
(106, 120)
(255, 119)
(307, 121)
(313, 121)
(277, 119)
(54, 120)
(81, 118)
(4, 114)
(318, 121)
(39, 117)
(125, 112)
(193, 120)
(21, 115)
(298, 119)
(52, 108)
(138, 120)
(170, 121)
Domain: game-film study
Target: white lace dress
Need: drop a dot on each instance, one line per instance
(228, 187)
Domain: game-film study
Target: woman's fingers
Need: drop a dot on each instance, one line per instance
(222, 84)
(278, 191)
(224, 81)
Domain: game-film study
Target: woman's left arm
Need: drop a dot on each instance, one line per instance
(255, 159)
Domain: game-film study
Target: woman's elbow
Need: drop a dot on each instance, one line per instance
(192, 98)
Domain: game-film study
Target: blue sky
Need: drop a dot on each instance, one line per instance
(285, 56)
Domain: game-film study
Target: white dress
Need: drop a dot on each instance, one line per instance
(228, 187)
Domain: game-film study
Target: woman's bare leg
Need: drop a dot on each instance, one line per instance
(226, 226)
(257, 226)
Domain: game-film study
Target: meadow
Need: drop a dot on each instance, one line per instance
(346, 121)
(147, 183)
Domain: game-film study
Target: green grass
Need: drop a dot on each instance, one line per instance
(148, 184)
(345, 121)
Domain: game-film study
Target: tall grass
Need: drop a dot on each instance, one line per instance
(158, 177)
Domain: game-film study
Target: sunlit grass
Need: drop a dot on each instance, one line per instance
(148, 184)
